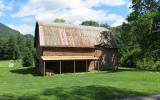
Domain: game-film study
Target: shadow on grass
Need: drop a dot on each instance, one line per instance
(121, 70)
(30, 70)
(35, 72)
(79, 93)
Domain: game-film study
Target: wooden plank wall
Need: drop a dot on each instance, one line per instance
(68, 52)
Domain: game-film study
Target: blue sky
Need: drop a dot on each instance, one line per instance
(22, 14)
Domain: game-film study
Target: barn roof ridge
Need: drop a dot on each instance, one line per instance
(68, 25)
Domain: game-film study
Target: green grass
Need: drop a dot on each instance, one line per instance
(27, 84)
(6, 63)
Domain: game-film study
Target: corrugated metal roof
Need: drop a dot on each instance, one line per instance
(67, 35)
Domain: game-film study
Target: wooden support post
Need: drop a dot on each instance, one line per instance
(74, 66)
(44, 68)
(60, 67)
(94, 64)
(86, 66)
(98, 65)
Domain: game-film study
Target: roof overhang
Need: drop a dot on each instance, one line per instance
(47, 46)
(50, 58)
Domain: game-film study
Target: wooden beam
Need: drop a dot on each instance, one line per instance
(94, 64)
(98, 65)
(74, 66)
(44, 67)
(60, 67)
(86, 66)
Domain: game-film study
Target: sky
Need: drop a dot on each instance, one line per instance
(23, 14)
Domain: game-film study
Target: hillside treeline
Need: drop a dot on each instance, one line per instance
(16, 47)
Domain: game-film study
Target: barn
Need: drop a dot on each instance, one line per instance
(65, 48)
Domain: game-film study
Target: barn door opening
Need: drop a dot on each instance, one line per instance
(82, 65)
(67, 66)
(52, 67)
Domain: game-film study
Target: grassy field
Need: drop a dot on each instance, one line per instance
(27, 84)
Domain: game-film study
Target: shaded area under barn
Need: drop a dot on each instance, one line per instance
(51, 67)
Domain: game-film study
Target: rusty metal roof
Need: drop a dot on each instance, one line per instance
(67, 35)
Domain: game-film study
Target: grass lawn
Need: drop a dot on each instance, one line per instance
(27, 84)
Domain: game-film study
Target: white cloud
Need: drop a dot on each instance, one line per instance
(5, 7)
(73, 11)
(23, 28)
(74, 15)
(36, 7)
(1, 13)
(114, 2)
(119, 22)
(129, 5)
(2, 6)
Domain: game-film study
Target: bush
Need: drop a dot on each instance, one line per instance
(157, 65)
(27, 58)
(130, 58)
(148, 64)
(127, 61)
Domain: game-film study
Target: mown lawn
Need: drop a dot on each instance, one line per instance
(27, 84)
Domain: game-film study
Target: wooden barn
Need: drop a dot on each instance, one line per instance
(66, 48)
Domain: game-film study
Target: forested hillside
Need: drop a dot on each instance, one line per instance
(15, 46)
(5, 31)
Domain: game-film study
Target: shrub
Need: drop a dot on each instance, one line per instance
(130, 58)
(27, 58)
(157, 65)
(148, 64)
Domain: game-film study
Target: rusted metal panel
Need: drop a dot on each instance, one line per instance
(66, 35)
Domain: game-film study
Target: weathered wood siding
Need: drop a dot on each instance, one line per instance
(41, 66)
(108, 58)
(98, 53)
(68, 51)
(38, 52)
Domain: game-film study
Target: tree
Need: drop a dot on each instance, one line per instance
(105, 26)
(27, 59)
(11, 48)
(138, 40)
(90, 23)
(21, 42)
(1, 48)
(28, 53)
(154, 48)
(59, 20)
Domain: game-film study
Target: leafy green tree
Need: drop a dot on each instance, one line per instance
(28, 53)
(90, 23)
(59, 20)
(27, 59)
(12, 48)
(105, 26)
(1, 48)
(154, 45)
(21, 42)
(138, 40)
